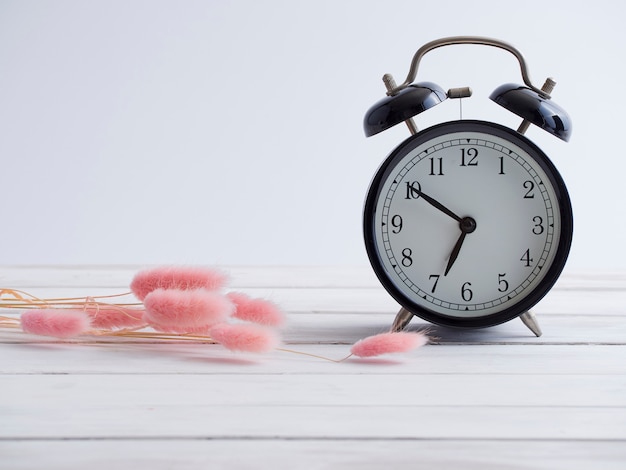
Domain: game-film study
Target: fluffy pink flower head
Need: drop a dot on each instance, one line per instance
(245, 337)
(261, 311)
(60, 323)
(386, 343)
(176, 277)
(185, 311)
(110, 317)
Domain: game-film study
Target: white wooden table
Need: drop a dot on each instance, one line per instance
(496, 398)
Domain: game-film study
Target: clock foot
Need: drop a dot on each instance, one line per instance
(403, 318)
(530, 320)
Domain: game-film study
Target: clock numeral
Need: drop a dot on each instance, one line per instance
(406, 257)
(396, 222)
(530, 186)
(526, 258)
(502, 283)
(413, 190)
(471, 154)
(501, 166)
(538, 228)
(436, 169)
(436, 278)
(466, 292)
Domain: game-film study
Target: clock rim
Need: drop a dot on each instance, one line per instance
(564, 205)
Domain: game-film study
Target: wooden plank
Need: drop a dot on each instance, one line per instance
(347, 328)
(313, 406)
(167, 454)
(178, 359)
(315, 390)
(148, 418)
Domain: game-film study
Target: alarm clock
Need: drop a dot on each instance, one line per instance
(467, 223)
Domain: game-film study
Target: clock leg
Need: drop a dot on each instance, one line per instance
(403, 318)
(530, 320)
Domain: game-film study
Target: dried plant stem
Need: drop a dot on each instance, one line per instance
(302, 353)
(154, 335)
(23, 300)
(6, 322)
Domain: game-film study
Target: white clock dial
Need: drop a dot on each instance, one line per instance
(466, 222)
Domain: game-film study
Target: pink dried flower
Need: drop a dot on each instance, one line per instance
(60, 323)
(245, 337)
(176, 277)
(261, 311)
(184, 311)
(386, 343)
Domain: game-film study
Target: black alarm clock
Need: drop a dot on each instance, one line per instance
(467, 223)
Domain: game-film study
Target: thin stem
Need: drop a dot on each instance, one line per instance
(7, 322)
(153, 335)
(302, 353)
(23, 300)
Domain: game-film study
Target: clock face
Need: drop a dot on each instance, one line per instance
(467, 223)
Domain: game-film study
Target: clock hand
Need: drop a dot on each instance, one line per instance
(467, 225)
(455, 252)
(438, 205)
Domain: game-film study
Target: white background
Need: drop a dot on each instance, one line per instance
(220, 132)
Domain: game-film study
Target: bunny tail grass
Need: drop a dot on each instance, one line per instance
(245, 337)
(386, 343)
(261, 311)
(59, 323)
(186, 310)
(176, 277)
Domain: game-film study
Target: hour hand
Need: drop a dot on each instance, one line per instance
(455, 253)
(467, 225)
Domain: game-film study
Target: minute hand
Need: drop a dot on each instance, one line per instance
(438, 205)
